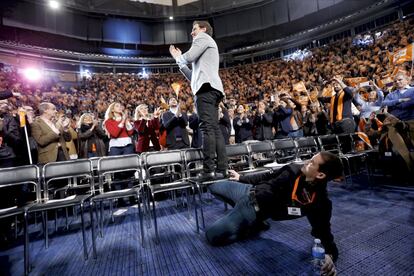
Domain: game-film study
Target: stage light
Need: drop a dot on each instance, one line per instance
(86, 74)
(32, 74)
(145, 75)
(53, 4)
(171, 17)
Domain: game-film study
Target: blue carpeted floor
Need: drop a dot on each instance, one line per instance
(373, 228)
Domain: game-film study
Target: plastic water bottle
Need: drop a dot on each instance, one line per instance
(318, 256)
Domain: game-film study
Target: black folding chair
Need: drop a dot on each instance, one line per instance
(284, 152)
(261, 153)
(108, 167)
(17, 177)
(81, 169)
(306, 148)
(165, 172)
(238, 156)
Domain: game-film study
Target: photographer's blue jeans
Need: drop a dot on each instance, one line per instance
(236, 224)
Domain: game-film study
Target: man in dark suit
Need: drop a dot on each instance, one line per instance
(263, 122)
(208, 93)
(197, 140)
(224, 124)
(175, 122)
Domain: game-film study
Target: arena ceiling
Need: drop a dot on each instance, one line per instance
(157, 8)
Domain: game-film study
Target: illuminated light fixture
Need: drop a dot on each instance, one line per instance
(53, 4)
(171, 17)
(32, 74)
(86, 74)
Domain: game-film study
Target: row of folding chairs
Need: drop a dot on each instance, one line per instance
(92, 182)
(98, 180)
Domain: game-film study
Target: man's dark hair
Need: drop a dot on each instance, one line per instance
(332, 166)
(205, 24)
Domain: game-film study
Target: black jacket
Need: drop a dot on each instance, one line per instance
(174, 125)
(194, 122)
(274, 196)
(225, 125)
(263, 125)
(243, 129)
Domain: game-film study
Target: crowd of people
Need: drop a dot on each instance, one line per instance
(123, 113)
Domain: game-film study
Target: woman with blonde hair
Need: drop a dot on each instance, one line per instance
(147, 128)
(90, 137)
(119, 130)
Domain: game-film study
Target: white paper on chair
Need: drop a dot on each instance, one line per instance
(120, 211)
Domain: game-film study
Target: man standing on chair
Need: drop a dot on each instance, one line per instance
(208, 93)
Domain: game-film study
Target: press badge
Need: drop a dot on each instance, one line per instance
(294, 211)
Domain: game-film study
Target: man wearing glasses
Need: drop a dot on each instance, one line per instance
(293, 191)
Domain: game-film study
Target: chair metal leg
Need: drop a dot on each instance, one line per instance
(111, 210)
(46, 229)
(56, 218)
(26, 244)
(101, 218)
(147, 206)
(157, 239)
(196, 213)
(141, 223)
(92, 207)
(67, 217)
(85, 249)
(15, 227)
(187, 196)
(201, 206)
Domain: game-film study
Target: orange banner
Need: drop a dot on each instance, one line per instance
(403, 55)
(176, 87)
(22, 117)
(299, 87)
(355, 81)
(387, 81)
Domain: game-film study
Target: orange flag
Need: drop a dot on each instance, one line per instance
(355, 81)
(299, 87)
(403, 55)
(22, 117)
(176, 87)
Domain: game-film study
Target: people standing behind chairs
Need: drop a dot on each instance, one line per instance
(90, 137)
(119, 130)
(11, 137)
(243, 125)
(147, 128)
(175, 123)
(193, 123)
(263, 122)
(224, 123)
(340, 112)
(51, 134)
